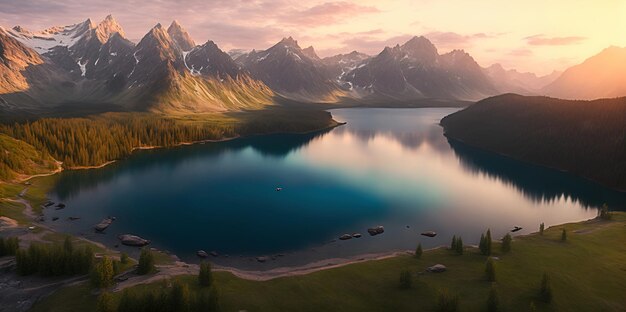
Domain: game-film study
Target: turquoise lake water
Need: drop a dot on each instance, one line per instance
(390, 167)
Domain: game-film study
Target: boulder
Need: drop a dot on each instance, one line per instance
(356, 235)
(429, 233)
(261, 259)
(376, 230)
(202, 254)
(437, 268)
(214, 253)
(345, 237)
(103, 225)
(133, 240)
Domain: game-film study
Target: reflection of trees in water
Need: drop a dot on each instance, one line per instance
(536, 183)
(279, 145)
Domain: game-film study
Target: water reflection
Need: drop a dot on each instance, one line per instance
(72, 182)
(385, 166)
(537, 183)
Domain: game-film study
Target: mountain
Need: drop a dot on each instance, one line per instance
(600, 76)
(512, 81)
(14, 59)
(339, 65)
(180, 36)
(416, 70)
(310, 53)
(27, 81)
(292, 72)
(208, 59)
(167, 79)
(86, 65)
(582, 137)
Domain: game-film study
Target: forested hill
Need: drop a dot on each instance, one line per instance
(19, 159)
(587, 138)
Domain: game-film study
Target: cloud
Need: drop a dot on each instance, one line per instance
(541, 39)
(520, 52)
(326, 13)
(455, 40)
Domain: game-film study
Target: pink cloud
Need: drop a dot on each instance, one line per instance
(326, 13)
(553, 41)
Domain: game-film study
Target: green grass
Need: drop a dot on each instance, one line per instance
(38, 190)
(588, 273)
(8, 190)
(14, 211)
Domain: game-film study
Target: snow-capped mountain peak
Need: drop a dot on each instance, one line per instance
(43, 41)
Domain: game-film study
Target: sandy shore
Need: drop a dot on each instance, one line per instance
(316, 266)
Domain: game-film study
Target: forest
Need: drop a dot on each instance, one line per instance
(95, 140)
(587, 138)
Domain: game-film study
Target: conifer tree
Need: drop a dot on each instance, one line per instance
(418, 251)
(490, 270)
(506, 243)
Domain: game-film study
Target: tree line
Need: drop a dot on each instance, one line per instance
(54, 259)
(91, 142)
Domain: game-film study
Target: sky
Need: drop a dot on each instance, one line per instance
(529, 35)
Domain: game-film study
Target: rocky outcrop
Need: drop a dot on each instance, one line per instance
(437, 268)
(133, 240)
(103, 225)
(376, 230)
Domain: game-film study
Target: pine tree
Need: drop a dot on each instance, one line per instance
(459, 246)
(447, 302)
(545, 290)
(453, 244)
(180, 298)
(102, 275)
(493, 303)
(214, 300)
(105, 303)
(405, 279)
(124, 258)
(603, 213)
(490, 270)
(205, 276)
(506, 243)
(146, 262)
(481, 245)
(541, 228)
(418, 251)
(564, 235)
(488, 243)
(127, 301)
(67, 245)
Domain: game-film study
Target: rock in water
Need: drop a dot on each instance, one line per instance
(429, 233)
(345, 237)
(261, 259)
(202, 254)
(133, 240)
(356, 235)
(437, 268)
(103, 225)
(376, 230)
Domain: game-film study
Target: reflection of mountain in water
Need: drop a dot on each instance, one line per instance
(431, 135)
(540, 184)
(278, 145)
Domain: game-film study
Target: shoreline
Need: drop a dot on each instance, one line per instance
(528, 162)
(181, 144)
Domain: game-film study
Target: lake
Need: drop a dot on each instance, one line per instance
(390, 167)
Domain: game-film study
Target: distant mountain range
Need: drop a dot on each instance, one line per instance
(600, 76)
(91, 65)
